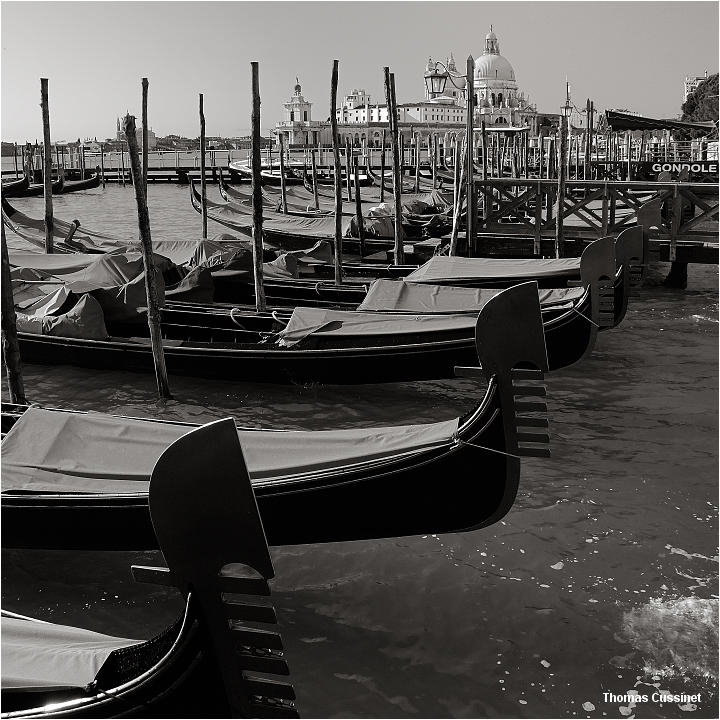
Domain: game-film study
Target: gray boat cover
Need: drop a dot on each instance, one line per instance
(443, 269)
(399, 296)
(306, 321)
(43, 656)
(84, 320)
(240, 219)
(53, 451)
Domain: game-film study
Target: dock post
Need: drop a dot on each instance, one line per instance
(17, 174)
(47, 165)
(605, 210)
(122, 162)
(348, 155)
(145, 139)
(458, 175)
(336, 174)
(203, 181)
(470, 181)
(314, 180)
(10, 345)
(102, 164)
(537, 243)
(257, 200)
(418, 140)
(382, 167)
(483, 139)
(283, 192)
(151, 286)
(358, 209)
(399, 248)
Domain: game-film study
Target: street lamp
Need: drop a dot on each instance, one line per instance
(436, 78)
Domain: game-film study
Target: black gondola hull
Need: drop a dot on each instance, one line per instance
(464, 484)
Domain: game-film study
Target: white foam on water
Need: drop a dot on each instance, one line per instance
(675, 637)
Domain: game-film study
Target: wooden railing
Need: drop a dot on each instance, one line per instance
(672, 212)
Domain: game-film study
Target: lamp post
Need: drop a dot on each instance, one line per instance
(565, 111)
(436, 78)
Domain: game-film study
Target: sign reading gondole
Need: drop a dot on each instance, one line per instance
(697, 167)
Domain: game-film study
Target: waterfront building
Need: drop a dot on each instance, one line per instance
(298, 127)
(691, 84)
(441, 113)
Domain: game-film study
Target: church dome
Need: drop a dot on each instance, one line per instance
(491, 65)
(494, 67)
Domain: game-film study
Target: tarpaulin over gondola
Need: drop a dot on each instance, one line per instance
(442, 269)
(46, 656)
(65, 452)
(306, 321)
(623, 121)
(398, 296)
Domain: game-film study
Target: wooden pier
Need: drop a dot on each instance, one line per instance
(681, 217)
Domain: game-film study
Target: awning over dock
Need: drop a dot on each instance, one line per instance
(624, 121)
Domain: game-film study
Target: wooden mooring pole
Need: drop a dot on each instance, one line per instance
(10, 345)
(336, 174)
(203, 181)
(314, 180)
(348, 165)
(358, 209)
(151, 284)
(471, 197)
(418, 141)
(17, 173)
(562, 172)
(283, 191)
(399, 249)
(47, 165)
(102, 165)
(145, 136)
(382, 167)
(459, 174)
(257, 201)
(483, 138)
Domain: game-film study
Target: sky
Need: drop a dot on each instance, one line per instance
(632, 55)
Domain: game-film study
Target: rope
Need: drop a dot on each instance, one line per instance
(278, 319)
(585, 317)
(232, 317)
(482, 447)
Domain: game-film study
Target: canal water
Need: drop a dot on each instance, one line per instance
(600, 585)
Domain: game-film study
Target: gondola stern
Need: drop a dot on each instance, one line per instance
(597, 271)
(208, 526)
(517, 359)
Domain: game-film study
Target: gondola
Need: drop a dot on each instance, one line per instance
(88, 183)
(387, 478)
(267, 176)
(13, 188)
(68, 237)
(293, 232)
(34, 189)
(221, 658)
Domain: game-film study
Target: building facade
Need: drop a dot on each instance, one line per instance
(691, 84)
(441, 115)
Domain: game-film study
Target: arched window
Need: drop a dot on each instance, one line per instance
(500, 99)
(292, 116)
(493, 99)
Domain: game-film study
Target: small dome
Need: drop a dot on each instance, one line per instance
(491, 36)
(493, 67)
(297, 86)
